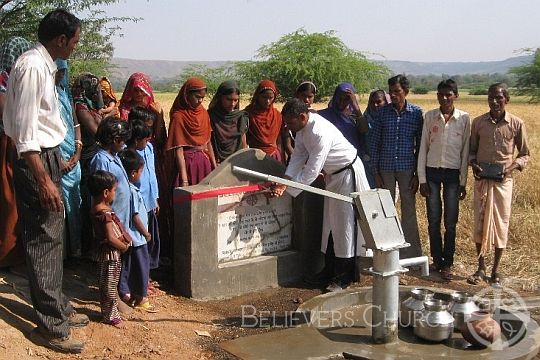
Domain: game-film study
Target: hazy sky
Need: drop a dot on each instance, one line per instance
(414, 30)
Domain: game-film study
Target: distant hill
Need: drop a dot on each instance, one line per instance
(158, 70)
(456, 68)
(163, 70)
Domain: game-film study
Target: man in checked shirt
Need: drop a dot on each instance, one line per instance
(394, 147)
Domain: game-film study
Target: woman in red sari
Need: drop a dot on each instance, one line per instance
(139, 92)
(265, 123)
(189, 135)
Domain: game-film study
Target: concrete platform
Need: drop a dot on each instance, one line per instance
(338, 324)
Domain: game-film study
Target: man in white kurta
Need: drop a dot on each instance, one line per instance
(321, 147)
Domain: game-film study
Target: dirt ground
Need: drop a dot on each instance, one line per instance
(182, 329)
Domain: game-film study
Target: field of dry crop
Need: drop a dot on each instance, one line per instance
(521, 262)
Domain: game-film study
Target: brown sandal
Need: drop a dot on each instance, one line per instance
(477, 277)
(446, 274)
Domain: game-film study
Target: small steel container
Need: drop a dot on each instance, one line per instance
(462, 308)
(435, 322)
(413, 306)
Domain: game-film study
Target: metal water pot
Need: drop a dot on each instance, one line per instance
(462, 308)
(413, 306)
(435, 322)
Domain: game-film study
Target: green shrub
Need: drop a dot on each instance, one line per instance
(478, 91)
(420, 90)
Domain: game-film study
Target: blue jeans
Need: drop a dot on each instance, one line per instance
(443, 255)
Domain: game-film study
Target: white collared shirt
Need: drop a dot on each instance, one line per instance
(31, 114)
(445, 144)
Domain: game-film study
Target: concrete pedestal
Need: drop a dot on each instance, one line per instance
(232, 238)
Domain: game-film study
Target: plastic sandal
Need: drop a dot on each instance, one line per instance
(146, 306)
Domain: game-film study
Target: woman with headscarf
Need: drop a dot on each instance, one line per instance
(306, 92)
(88, 102)
(344, 112)
(376, 100)
(229, 124)
(189, 150)
(189, 135)
(10, 251)
(139, 92)
(265, 122)
(110, 102)
(70, 150)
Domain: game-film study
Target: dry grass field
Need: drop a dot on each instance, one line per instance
(521, 261)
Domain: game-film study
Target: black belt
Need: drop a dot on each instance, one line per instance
(346, 167)
(44, 150)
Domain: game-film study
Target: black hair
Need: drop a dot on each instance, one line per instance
(56, 23)
(448, 84)
(110, 128)
(401, 80)
(375, 94)
(142, 113)
(306, 86)
(294, 107)
(139, 131)
(229, 91)
(502, 86)
(99, 181)
(131, 160)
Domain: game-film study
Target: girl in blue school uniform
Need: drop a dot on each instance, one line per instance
(135, 274)
(142, 121)
(111, 136)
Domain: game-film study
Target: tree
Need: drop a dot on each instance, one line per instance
(320, 57)
(528, 77)
(21, 18)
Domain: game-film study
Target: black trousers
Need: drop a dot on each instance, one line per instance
(41, 232)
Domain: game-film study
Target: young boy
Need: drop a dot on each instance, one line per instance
(442, 162)
(133, 285)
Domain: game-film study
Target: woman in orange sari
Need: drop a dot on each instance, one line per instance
(189, 151)
(265, 123)
(189, 135)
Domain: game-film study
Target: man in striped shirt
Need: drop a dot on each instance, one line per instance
(32, 119)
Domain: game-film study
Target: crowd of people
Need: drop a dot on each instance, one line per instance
(84, 173)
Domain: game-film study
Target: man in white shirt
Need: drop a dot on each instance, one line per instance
(321, 147)
(32, 120)
(442, 162)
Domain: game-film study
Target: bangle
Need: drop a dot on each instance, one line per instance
(76, 126)
(78, 143)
